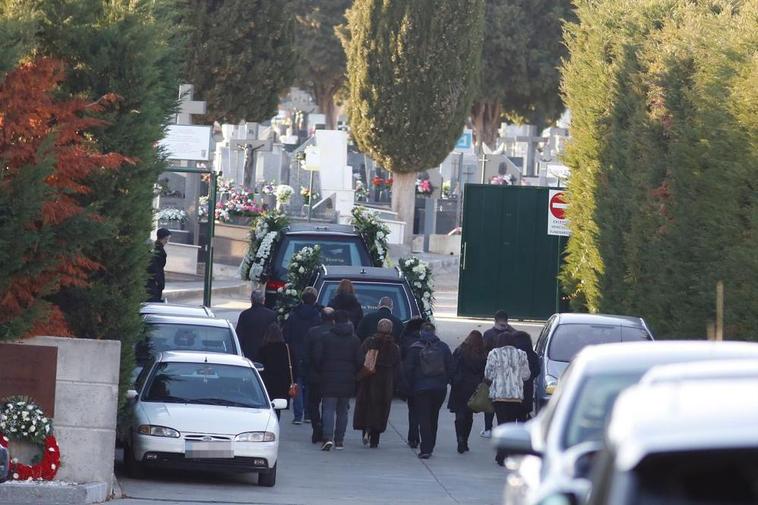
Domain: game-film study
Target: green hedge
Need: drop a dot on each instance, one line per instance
(664, 162)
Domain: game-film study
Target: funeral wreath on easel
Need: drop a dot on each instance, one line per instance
(23, 420)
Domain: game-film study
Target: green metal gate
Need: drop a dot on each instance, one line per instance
(508, 261)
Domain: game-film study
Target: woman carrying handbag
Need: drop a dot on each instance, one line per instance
(277, 360)
(376, 384)
(469, 360)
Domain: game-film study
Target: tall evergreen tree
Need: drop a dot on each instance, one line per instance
(241, 55)
(413, 68)
(321, 59)
(521, 56)
(130, 48)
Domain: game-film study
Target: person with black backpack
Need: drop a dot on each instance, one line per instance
(428, 367)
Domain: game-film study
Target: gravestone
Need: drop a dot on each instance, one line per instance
(29, 371)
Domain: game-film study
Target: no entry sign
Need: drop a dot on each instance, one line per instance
(557, 224)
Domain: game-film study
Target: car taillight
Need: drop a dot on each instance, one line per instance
(274, 285)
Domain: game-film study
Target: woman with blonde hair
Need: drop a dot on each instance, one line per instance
(346, 300)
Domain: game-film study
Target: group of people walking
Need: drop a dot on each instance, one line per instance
(322, 357)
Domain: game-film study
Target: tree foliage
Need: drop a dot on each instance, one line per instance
(45, 162)
(241, 55)
(321, 59)
(521, 56)
(663, 199)
(130, 48)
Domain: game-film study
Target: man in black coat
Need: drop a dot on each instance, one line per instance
(495, 337)
(302, 318)
(156, 280)
(312, 372)
(339, 358)
(252, 324)
(368, 324)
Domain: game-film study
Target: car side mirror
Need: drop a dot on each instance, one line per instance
(131, 395)
(514, 439)
(279, 404)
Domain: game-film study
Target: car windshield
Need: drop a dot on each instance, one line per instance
(569, 339)
(592, 406)
(369, 294)
(205, 384)
(709, 477)
(335, 251)
(184, 337)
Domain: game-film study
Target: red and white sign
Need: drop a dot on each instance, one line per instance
(557, 224)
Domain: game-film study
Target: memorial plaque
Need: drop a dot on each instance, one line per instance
(29, 370)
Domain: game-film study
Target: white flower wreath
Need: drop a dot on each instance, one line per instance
(419, 276)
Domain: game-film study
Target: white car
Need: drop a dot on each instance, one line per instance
(203, 411)
(175, 309)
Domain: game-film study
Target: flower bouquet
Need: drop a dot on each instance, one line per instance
(374, 232)
(283, 195)
(306, 194)
(266, 229)
(419, 276)
(299, 273)
(424, 187)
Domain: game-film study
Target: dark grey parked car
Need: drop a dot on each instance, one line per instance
(371, 284)
(564, 335)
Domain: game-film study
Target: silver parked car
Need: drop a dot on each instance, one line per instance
(202, 411)
(564, 335)
(176, 333)
(697, 446)
(555, 451)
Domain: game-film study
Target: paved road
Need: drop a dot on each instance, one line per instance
(391, 474)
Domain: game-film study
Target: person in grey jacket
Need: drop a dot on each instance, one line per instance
(506, 371)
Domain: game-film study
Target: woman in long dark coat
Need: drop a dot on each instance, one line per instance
(273, 355)
(375, 391)
(469, 360)
(346, 300)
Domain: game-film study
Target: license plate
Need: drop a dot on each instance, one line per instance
(208, 450)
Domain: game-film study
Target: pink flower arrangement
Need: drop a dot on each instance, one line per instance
(236, 203)
(424, 187)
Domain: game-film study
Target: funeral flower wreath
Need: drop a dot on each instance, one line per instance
(265, 230)
(23, 420)
(419, 276)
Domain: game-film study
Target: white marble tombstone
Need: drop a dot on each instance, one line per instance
(335, 175)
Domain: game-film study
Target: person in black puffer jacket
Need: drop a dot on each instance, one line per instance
(302, 318)
(345, 300)
(469, 360)
(339, 358)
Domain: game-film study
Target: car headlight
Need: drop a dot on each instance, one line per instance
(550, 384)
(255, 436)
(157, 431)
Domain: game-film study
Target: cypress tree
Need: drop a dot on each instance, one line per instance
(241, 55)
(413, 68)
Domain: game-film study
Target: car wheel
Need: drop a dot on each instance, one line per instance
(267, 479)
(134, 468)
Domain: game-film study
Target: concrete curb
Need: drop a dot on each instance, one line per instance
(22, 493)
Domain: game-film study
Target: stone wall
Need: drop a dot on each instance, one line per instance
(86, 400)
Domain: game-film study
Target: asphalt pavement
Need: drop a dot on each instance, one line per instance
(391, 474)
